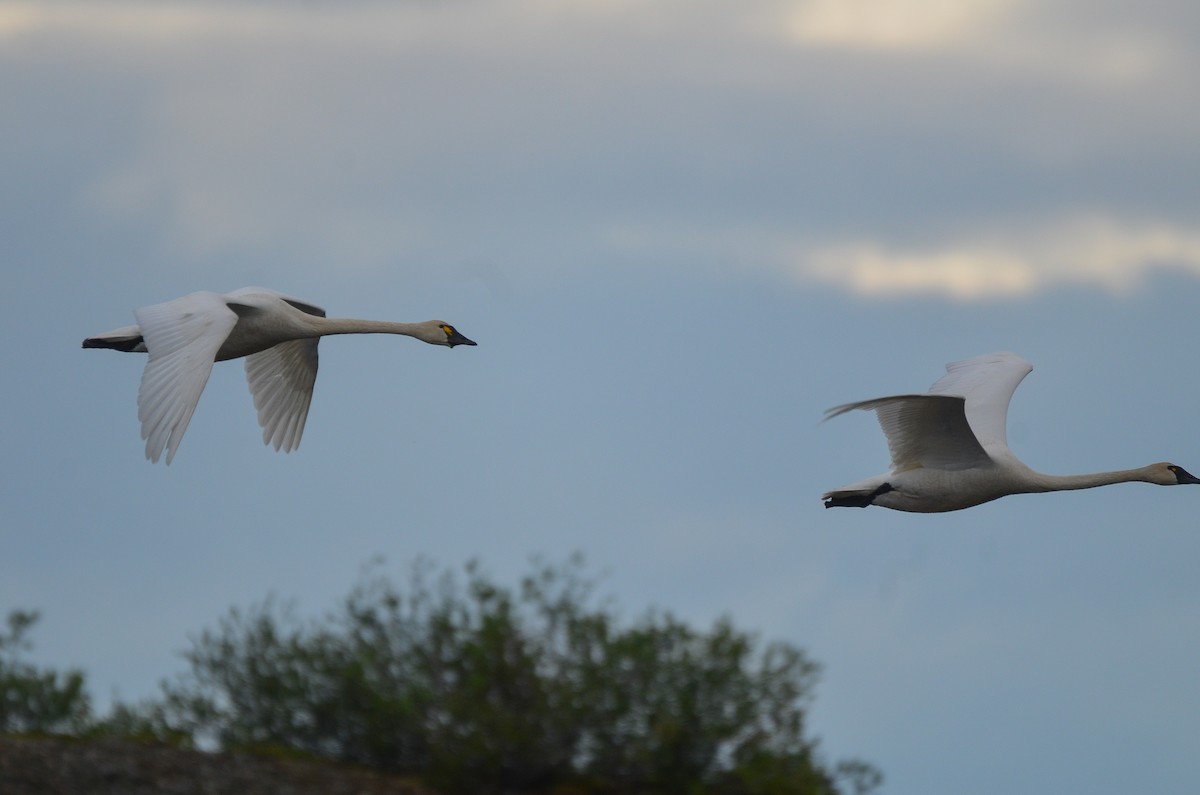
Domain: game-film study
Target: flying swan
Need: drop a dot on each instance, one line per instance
(949, 449)
(276, 334)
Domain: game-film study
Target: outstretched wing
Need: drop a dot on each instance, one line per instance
(281, 380)
(182, 338)
(988, 383)
(923, 431)
(959, 423)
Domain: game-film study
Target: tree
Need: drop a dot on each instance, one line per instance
(33, 699)
(481, 688)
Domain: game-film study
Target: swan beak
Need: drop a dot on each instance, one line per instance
(1183, 476)
(455, 338)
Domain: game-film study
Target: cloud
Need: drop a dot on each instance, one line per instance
(893, 24)
(1078, 251)
(869, 270)
(368, 133)
(1087, 45)
(477, 24)
(127, 20)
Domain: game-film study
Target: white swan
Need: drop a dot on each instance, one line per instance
(949, 449)
(276, 334)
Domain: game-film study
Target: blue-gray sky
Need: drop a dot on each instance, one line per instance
(679, 230)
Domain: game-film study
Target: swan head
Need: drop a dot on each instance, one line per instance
(439, 332)
(1166, 474)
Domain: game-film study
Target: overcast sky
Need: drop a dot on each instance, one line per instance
(679, 230)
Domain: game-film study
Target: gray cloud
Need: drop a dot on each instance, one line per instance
(370, 133)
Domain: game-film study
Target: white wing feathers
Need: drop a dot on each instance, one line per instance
(988, 383)
(182, 338)
(923, 431)
(281, 381)
(959, 423)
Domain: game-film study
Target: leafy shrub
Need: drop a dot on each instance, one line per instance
(33, 699)
(484, 689)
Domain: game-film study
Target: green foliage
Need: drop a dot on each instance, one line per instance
(484, 689)
(32, 699)
(146, 722)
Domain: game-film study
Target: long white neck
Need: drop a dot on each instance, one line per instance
(341, 325)
(1040, 482)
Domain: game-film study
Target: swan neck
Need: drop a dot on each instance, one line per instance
(1088, 481)
(340, 325)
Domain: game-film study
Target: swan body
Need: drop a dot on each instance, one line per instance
(949, 448)
(277, 335)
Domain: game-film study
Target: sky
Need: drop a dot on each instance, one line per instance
(679, 230)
